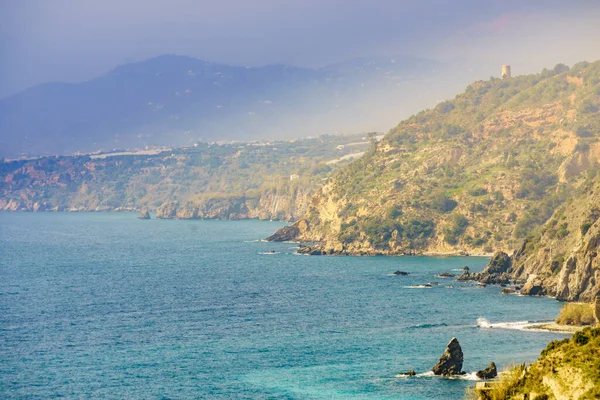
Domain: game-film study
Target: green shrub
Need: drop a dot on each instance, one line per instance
(577, 314)
(585, 228)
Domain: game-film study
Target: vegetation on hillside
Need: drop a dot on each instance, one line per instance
(253, 172)
(568, 368)
(577, 314)
(477, 173)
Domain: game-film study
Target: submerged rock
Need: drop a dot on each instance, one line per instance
(401, 273)
(489, 373)
(445, 275)
(144, 214)
(451, 361)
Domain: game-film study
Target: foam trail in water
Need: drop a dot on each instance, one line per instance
(470, 376)
(518, 325)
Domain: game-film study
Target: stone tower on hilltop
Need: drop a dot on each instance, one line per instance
(506, 71)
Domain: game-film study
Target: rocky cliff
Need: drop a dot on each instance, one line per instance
(475, 174)
(568, 369)
(287, 204)
(562, 258)
(224, 181)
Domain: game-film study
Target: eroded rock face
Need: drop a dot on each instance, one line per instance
(500, 263)
(489, 373)
(167, 210)
(451, 361)
(144, 214)
(285, 234)
(533, 288)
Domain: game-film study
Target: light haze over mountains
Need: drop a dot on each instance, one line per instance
(301, 82)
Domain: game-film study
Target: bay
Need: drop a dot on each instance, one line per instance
(103, 305)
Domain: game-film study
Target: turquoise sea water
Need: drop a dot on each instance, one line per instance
(109, 306)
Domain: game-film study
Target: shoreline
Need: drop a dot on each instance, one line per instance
(554, 327)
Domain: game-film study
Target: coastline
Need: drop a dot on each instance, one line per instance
(554, 327)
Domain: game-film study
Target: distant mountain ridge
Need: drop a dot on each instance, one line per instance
(177, 100)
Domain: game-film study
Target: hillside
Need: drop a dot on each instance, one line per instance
(475, 174)
(566, 369)
(225, 181)
(561, 259)
(175, 101)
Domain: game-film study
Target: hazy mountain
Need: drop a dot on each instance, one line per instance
(177, 100)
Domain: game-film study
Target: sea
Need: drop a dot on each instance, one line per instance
(107, 306)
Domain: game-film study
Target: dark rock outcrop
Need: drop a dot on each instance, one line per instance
(489, 373)
(409, 373)
(533, 288)
(451, 361)
(401, 273)
(285, 234)
(499, 264)
(144, 214)
(445, 275)
(497, 272)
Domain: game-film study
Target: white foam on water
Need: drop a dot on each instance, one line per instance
(517, 325)
(470, 376)
(417, 287)
(268, 253)
(428, 373)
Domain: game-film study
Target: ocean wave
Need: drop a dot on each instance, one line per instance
(469, 376)
(418, 287)
(517, 325)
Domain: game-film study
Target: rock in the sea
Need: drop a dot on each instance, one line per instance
(451, 361)
(489, 373)
(144, 214)
(401, 273)
(409, 373)
(445, 275)
(508, 291)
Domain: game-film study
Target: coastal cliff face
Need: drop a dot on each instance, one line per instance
(562, 257)
(221, 181)
(287, 204)
(474, 175)
(567, 369)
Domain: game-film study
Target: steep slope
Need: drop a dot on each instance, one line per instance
(475, 174)
(175, 100)
(562, 258)
(227, 181)
(566, 369)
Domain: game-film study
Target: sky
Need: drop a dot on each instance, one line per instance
(76, 40)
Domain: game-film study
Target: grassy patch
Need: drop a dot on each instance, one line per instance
(578, 314)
